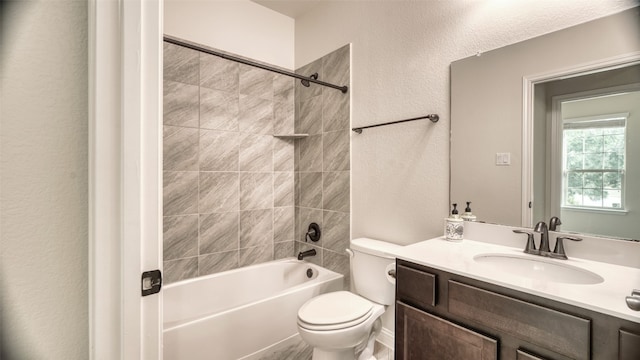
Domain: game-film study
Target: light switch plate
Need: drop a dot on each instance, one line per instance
(503, 159)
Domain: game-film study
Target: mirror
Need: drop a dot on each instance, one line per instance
(513, 108)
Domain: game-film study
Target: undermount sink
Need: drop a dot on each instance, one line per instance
(538, 269)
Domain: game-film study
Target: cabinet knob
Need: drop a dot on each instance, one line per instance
(633, 302)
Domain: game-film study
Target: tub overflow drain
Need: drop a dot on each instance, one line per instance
(309, 273)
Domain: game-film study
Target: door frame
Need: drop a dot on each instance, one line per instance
(528, 84)
(125, 177)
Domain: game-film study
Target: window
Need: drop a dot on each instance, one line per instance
(593, 162)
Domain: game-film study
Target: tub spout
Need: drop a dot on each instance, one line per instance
(304, 254)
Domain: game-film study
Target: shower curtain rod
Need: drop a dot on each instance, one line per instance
(192, 46)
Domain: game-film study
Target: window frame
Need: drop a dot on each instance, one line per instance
(564, 172)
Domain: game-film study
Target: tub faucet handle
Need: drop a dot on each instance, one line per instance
(313, 233)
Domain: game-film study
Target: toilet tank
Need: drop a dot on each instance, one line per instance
(370, 264)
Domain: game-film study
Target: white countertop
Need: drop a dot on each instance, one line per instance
(607, 297)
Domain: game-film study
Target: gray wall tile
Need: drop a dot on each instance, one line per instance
(284, 118)
(180, 269)
(218, 192)
(256, 255)
(311, 189)
(219, 150)
(226, 115)
(335, 111)
(180, 64)
(180, 104)
(180, 192)
(302, 92)
(256, 228)
(335, 187)
(336, 151)
(256, 115)
(338, 262)
(219, 110)
(218, 73)
(283, 154)
(218, 262)
(283, 188)
(180, 148)
(256, 152)
(336, 234)
(256, 190)
(283, 250)
(310, 116)
(180, 236)
(219, 232)
(310, 153)
(283, 224)
(256, 82)
(335, 66)
(283, 89)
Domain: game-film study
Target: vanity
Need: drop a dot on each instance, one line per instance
(482, 300)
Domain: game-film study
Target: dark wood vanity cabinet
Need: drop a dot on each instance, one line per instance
(444, 316)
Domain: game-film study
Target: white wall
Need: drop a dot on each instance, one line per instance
(237, 26)
(401, 53)
(43, 173)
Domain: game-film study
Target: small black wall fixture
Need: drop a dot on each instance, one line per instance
(433, 117)
(313, 233)
(305, 79)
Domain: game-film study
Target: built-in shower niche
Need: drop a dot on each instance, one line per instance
(249, 155)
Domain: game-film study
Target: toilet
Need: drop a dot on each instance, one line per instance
(343, 325)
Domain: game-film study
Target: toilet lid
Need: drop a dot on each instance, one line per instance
(334, 308)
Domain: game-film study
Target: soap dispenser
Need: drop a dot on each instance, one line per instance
(468, 215)
(453, 226)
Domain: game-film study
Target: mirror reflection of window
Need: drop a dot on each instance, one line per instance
(593, 162)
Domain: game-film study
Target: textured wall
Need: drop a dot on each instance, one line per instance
(238, 26)
(401, 53)
(323, 161)
(43, 172)
(228, 182)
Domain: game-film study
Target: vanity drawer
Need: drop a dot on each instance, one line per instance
(416, 286)
(559, 332)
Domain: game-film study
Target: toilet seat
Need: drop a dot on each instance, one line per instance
(336, 310)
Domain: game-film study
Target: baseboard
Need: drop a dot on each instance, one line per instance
(386, 338)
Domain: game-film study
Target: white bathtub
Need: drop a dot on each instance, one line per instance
(237, 313)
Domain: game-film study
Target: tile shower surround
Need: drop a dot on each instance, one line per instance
(323, 163)
(229, 198)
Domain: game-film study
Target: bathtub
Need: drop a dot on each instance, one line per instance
(239, 313)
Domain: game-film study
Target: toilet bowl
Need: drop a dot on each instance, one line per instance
(343, 325)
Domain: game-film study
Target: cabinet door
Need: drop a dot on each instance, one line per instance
(420, 335)
(525, 355)
(629, 345)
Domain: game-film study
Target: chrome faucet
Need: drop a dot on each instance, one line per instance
(304, 254)
(554, 222)
(541, 228)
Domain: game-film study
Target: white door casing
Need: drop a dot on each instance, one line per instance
(125, 182)
(528, 83)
